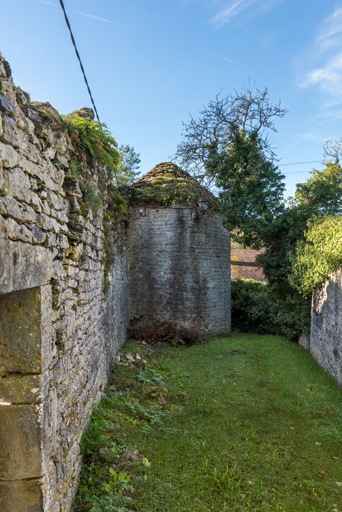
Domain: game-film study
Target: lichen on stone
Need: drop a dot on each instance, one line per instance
(167, 184)
(7, 67)
(48, 115)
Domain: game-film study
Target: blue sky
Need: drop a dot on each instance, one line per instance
(151, 63)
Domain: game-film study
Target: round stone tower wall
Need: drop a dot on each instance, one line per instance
(179, 267)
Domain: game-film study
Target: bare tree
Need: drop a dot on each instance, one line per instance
(333, 148)
(250, 110)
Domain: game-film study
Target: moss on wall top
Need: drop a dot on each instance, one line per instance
(167, 184)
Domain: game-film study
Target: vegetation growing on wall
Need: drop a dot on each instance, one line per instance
(97, 139)
(122, 162)
(318, 255)
(167, 184)
(92, 137)
(7, 67)
(90, 199)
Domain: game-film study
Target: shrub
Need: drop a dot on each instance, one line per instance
(251, 307)
(257, 308)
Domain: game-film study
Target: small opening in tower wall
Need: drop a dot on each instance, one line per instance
(203, 205)
(142, 212)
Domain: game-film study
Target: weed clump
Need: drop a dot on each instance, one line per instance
(94, 137)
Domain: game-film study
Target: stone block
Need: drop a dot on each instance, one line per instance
(17, 185)
(23, 266)
(49, 153)
(15, 231)
(21, 389)
(38, 236)
(25, 330)
(32, 152)
(2, 180)
(19, 211)
(22, 496)
(49, 223)
(20, 442)
(11, 133)
(2, 227)
(8, 155)
(8, 98)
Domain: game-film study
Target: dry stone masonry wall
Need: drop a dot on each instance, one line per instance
(65, 293)
(59, 328)
(326, 326)
(179, 253)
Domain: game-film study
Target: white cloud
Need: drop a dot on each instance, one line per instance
(227, 10)
(331, 32)
(47, 3)
(230, 11)
(100, 19)
(325, 59)
(328, 116)
(219, 57)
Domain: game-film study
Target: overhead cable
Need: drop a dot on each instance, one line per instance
(299, 163)
(79, 58)
(295, 172)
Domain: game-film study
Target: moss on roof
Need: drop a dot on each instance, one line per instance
(167, 184)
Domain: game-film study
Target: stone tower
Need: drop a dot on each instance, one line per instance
(179, 253)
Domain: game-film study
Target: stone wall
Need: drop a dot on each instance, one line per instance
(59, 327)
(326, 326)
(179, 267)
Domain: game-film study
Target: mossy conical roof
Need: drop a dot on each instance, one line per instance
(167, 184)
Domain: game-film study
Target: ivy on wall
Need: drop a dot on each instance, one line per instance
(318, 255)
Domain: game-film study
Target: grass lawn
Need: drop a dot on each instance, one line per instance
(247, 423)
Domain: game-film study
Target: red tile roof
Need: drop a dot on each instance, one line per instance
(243, 264)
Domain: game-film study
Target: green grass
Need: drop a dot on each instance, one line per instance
(247, 423)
